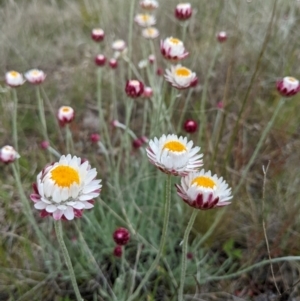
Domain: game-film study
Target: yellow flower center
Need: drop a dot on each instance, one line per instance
(174, 146)
(35, 72)
(204, 182)
(175, 41)
(182, 71)
(150, 31)
(14, 73)
(145, 18)
(65, 109)
(292, 79)
(64, 176)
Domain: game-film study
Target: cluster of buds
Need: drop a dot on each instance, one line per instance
(8, 154)
(121, 237)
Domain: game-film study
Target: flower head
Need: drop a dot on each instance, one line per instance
(174, 155)
(118, 45)
(190, 126)
(94, 137)
(100, 60)
(35, 76)
(173, 49)
(145, 20)
(288, 86)
(65, 188)
(65, 115)
(8, 154)
(149, 4)
(183, 11)
(148, 92)
(180, 77)
(113, 63)
(222, 36)
(121, 236)
(118, 251)
(150, 33)
(151, 58)
(97, 34)
(203, 191)
(14, 79)
(45, 144)
(134, 88)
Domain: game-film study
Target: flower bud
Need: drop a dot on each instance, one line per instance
(65, 115)
(134, 88)
(190, 126)
(8, 154)
(121, 236)
(118, 251)
(100, 60)
(97, 34)
(183, 11)
(288, 86)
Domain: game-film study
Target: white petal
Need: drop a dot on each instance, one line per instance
(69, 213)
(40, 205)
(51, 208)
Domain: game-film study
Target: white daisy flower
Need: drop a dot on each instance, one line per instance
(180, 77)
(65, 115)
(173, 49)
(118, 45)
(203, 191)
(183, 11)
(150, 33)
(14, 79)
(149, 4)
(35, 76)
(174, 155)
(8, 154)
(65, 188)
(145, 20)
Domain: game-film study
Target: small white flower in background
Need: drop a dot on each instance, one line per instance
(174, 155)
(8, 154)
(180, 77)
(14, 79)
(118, 45)
(142, 64)
(150, 33)
(35, 76)
(288, 86)
(151, 58)
(173, 49)
(203, 191)
(65, 188)
(149, 4)
(183, 11)
(97, 34)
(65, 115)
(144, 20)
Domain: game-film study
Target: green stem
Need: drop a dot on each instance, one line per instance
(130, 34)
(162, 241)
(184, 252)
(183, 111)
(204, 95)
(184, 30)
(259, 144)
(69, 140)
(14, 119)
(42, 113)
(59, 234)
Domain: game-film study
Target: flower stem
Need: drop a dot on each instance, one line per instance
(14, 119)
(59, 234)
(184, 252)
(259, 144)
(162, 241)
(130, 34)
(42, 113)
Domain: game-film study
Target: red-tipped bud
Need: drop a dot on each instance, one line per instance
(94, 137)
(288, 86)
(160, 71)
(97, 34)
(190, 126)
(222, 36)
(118, 251)
(65, 115)
(137, 143)
(100, 60)
(134, 88)
(45, 144)
(151, 58)
(183, 11)
(8, 154)
(144, 139)
(113, 63)
(148, 92)
(121, 236)
(220, 105)
(189, 255)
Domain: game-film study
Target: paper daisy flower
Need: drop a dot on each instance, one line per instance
(65, 188)
(65, 115)
(14, 79)
(222, 36)
(134, 88)
(288, 86)
(100, 60)
(149, 4)
(203, 191)
(8, 154)
(150, 33)
(174, 155)
(118, 45)
(144, 20)
(183, 11)
(181, 77)
(35, 76)
(97, 34)
(173, 49)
